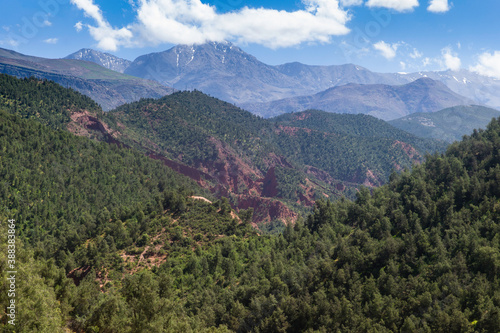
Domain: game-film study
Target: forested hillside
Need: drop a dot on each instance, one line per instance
(247, 158)
(80, 205)
(420, 254)
(106, 87)
(449, 124)
(43, 100)
(278, 167)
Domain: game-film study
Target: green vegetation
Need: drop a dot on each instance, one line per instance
(42, 100)
(185, 123)
(111, 241)
(448, 125)
(63, 189)
(356, 125)
(200, 130)
(419, 254)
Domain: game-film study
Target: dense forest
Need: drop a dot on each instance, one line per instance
(184, 122)
(112, 241)
(329, 155)
(43, 100)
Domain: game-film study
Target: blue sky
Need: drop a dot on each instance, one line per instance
(382, 35)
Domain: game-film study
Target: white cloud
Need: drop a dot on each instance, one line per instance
(451, 60)
(47, 23)
(388, 51)
(10, 42)
(51, 41)
(108, 37)
(416, 54)
(488, 64)
(193, 22)
(399, 5)
(438, 6)
(426, 62)
(78, 26)
(403, 65)
(347, 3)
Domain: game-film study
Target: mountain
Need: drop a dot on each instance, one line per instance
(449, 124)
(106, 87)
(106, 60)
(481, 89)
(379, 100)
(222, 70)
(277, 167)
(268, 165)
(318, 78)
(359, 125)
(225, 71)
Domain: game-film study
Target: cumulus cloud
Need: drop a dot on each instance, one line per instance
(488, 64)
(388, 51)
(51, 40)
(108, 38)
(193, 22)
(451, 60)
(438, 6)
(78, 26)
(399, 5)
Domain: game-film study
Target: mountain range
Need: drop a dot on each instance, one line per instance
(107, 87)
(379, 100)
(222, 70)
(225, 71)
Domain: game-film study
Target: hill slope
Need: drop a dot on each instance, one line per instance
(418, 254)
(382, 101)
(249, 159)
(449, 124)
(106, 87)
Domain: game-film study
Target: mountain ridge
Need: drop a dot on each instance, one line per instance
(107, 87)
(382, 101)
(106, 60)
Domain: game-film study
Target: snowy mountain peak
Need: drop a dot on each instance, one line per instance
(106, 60)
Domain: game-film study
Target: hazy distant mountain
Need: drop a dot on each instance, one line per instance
(218, 69)
(320, 78)
(379, 100)
(106, 60)
(108, 88)
(450, 124)
(481, 89)
(225, 71)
